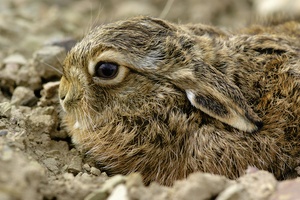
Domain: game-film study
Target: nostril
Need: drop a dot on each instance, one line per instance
(62, 97)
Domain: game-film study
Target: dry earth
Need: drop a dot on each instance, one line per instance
(37, 159)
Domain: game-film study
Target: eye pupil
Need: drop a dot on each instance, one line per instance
(106, 70)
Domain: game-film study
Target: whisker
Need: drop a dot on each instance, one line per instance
(166, 9)
(52, 67)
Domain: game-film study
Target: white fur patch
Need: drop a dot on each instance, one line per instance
(191, 96)
(77, 125)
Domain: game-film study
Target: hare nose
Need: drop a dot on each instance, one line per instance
(62, 97)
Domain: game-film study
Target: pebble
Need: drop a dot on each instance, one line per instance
(86, 167)
(287, 190)
(51, 164)
(7, 153)
(5, 108)
(43, 123)
(2, 124)
(104, 174)
(50, 89)
(134, 180)
(97, 195)
(113, 181)
(200, 186)
(16, 59)
(95, 171)
(85, 176)
(23, 96)
(75, 165)
(233, 192)
(120, 192)
(48, 61)
(68, 176)
(3, 132)
(259, 185)
(18, 72)
(108, 187)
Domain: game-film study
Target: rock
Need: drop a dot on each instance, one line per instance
(48, 62)
(15, 59)
(5, 108)
(106, 188)
(287, 190)
(18, 115)
(134, 180)
(119, 193)
(23, 96)
(112, 182)
(17, 71)
(68, 176)
(43, 119)
(2, 124)
(86, 167)
(3, 132)
(200, 186)
(49, 94)
(153, 191)
(95, 171)
(75, 165)
(233, 192)
(20, 178)
(51, 164)
(97, 195)
(259, 185)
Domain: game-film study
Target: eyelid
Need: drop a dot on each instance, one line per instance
(109, 56)
(122, 72)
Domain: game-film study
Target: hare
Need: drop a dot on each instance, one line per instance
(146, 95)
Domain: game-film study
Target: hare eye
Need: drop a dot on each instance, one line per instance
(106, 70)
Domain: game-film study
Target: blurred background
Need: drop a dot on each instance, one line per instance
(25, 25)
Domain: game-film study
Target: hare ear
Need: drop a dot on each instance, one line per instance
(213, 93)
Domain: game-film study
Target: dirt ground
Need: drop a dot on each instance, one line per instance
(37, 158)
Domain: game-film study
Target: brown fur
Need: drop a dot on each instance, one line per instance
(191, 98)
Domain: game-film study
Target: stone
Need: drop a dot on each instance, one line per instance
(5, 109)
(3, 132)
(23, 96)
(51, 164)
(86, 167)
(200, 186)
(49, 94)
(287, 190)
(95, 171)
(48, 62)
(75, 165)
(16, 59)
(119, 193)
(258, 185)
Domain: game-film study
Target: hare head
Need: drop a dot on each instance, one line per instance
(136, 94)
(131, 62)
